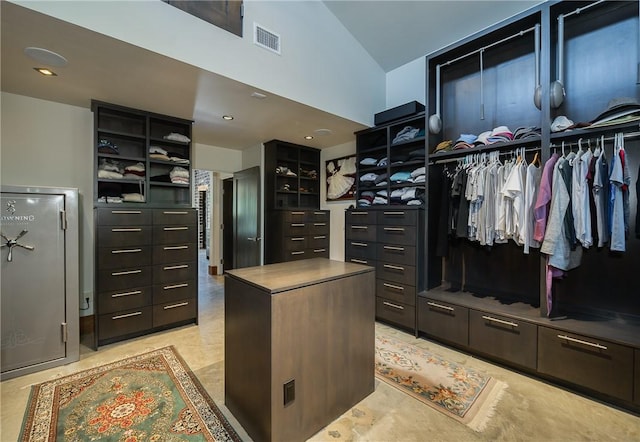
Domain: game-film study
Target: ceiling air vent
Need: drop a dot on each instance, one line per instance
(266, 39)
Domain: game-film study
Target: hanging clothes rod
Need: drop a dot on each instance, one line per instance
(501, 152)
(629, 135)
(579, 10)
(518, 34)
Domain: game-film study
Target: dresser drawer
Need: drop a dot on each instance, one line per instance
(174, 216)
(175, 253)
(319, 252)
(125, 322)
(360, 232)
(318, 241)
(361, 217)
(294, 243)
(363, 261)
(395, 291)
(176, 234)
(398, 217)
(295, 216)
(505, 338)
(124, 299)
(171, 312)
(120, 279)
(295, 255)
(119, 257)
(124, 236)
(444, 321)
(400, 235)
(397, 253)
(361, 249)
(295, 229)
(170, 273)
(592, 363)
(400, 314)
(163, 293)
(123, 217)
(319, 216)
(401, 273)
(318, 228)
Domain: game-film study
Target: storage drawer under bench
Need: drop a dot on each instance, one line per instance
(401, 314)
(442, 320)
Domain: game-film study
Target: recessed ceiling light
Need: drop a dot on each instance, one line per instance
(45, 56)
(46, 72)
(227, 117)
(308, 137)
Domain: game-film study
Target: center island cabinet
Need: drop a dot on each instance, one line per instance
(299, 345)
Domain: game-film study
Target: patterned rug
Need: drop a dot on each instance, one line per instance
(151, 397)
(459, 392)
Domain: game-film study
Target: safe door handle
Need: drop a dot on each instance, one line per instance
(443, 307)
(390, 304)
(126, 251)
(580, 341)
(500, 321)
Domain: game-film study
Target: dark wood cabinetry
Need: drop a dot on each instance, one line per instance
(295, 227)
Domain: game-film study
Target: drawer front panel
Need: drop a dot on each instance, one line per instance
(295, 255)
(175, 253)
(599, 365)
(361, 232)
(124, 299)
(318, 228)
(124, 236)
(392, 272)
(295, 243)
(178, 234)
(295, 216)
(124, 322)
(387, 310)
(636, 377)
(505, 338)
(171, 312)
(401, 235)
(319, 216)
(397, 292)
(363, 261)
(296, 229)
(398, 217)
(177, 272)
(361, 249)
(320, 252)
(318, 241)
(123, 217)
(397, 253)
(120, 279)
(361, 217)
(174, 216)
(445, 321)
(118, 257)
(163, 293)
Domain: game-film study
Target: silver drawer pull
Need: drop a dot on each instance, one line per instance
(168, 229)
(297, 213)
(580, 341)
(175, 286)
(360, 244)
(181, 304)
(394, 229)
(128, 315)
(359, 213)
(297, 253)
(399, 249)
(319, 224)
(443, 307)
(183, 266)
(175, 213)
(118, 295)
(389, 266)
(126, 251)
(126, 212)
(392, 286)
(396, 306)
(359, 261)
(128, 272)
(500, 321)
(127, 230)
(297, 224)
(360, 227)
(319, 250)
(319, 213)
(394, 213)
(176, 247)
(320, 237)
(297, 239)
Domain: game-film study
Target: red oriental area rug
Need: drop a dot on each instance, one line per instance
(461, 393)
(153, 396)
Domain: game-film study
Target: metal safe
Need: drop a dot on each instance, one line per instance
(39, 298)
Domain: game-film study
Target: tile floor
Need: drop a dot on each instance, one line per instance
(530, 410)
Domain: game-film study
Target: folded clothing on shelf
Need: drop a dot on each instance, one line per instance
(106, 146)
(173, 136)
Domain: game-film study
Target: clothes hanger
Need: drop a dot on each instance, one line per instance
(536, 159)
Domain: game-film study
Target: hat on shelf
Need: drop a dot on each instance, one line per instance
(483, 138)
(561, 123)
(465, 141)
(618, 107)
(444, 146)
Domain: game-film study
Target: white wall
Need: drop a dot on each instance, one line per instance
(336, 208)
(406, 83)
(321, 64)
(49, 144)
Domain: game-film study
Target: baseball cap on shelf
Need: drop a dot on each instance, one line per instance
(444, 146)
(483, 138)
(465, 141)
(561, 123)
